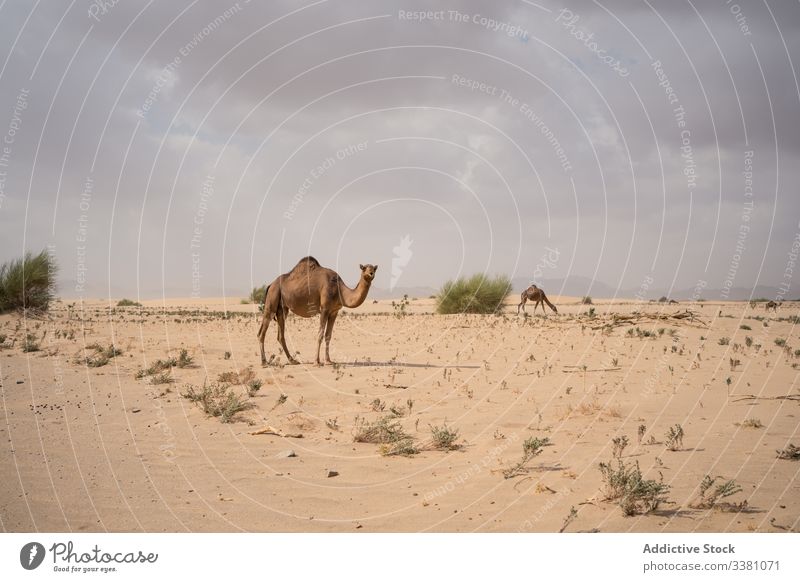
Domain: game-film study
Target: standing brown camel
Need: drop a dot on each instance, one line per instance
(307, 290)
(533, 293)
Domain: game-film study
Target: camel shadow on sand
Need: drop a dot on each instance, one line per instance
(387, 364)
(400, 364)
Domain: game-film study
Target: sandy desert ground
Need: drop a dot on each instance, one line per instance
(98, 449)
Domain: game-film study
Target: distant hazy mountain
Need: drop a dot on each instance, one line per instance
(579, 286)
(576, 286)
(397, 292)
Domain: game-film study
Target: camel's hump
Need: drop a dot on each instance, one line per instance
(307, 262)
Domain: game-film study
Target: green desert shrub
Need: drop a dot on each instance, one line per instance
(444, 438)
(99, 356)
(258, 294)
(476, 294)
(184, 359)
(128, 303)
(28, 283)
(710, 495)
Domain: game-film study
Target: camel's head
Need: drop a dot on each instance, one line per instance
(368, 272)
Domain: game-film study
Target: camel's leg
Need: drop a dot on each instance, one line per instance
(536, 304)
(262, 332)
(328, 335)
(522, 303)
(323, 322)
(271, 305)
(281, 317)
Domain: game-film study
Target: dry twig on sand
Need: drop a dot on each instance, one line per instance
(274, 431)
(795, 397)
(591, 370)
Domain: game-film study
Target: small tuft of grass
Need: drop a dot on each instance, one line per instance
(242, 377)
(162, 378)
(400, 307)
(128, 303)
(531, 448)
(745, 327)
(573, 513)
(405, 448)
(619, 443)
(281, 400)
(30, 344)
(586, 300)
(100, 356)
(724, 341)
(752, 423)
(397, 411)
(156, 367)
(780, 342)
(790, 453)
(184, 359)
(253, 386)
(674, 438)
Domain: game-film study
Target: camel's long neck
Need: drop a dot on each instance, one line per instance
(354, 297)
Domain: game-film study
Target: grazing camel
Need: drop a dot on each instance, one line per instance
(533, 293)
(307, 290)
(773, 306)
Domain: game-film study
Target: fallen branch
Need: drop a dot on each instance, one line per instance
(591, 370)
(795, 397)
(274, 431)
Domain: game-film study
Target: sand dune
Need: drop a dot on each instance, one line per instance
(96, 448)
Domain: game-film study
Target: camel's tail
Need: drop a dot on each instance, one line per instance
(546, 300)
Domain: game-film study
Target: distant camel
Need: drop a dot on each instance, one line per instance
(773, 306)
(533, 293)
(307, 290)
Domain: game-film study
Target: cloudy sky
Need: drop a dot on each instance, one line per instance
(199, 147)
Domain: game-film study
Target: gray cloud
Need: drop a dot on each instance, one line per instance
(555, 149)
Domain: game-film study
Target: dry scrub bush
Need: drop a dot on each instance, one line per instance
(217, 400)
(632, 492)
